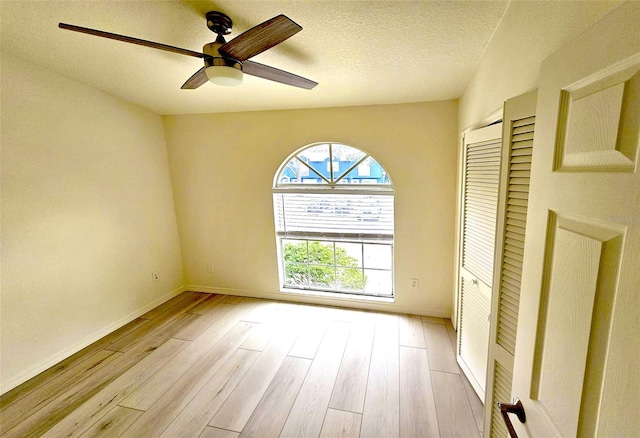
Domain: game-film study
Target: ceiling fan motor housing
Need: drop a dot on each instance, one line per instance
(219, 23)
(215, 59)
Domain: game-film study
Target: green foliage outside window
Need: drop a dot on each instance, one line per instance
(298, 257)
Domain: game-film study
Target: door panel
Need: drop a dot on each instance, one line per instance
(577, 347)
(517, 136)
(478, 224)
(577, 294)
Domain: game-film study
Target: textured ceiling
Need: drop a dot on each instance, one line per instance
(361, 52)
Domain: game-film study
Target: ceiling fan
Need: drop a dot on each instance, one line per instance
(225, 62)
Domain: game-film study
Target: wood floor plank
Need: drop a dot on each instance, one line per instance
(441, 356)
(309, 339)
(162, 412)
(452, 335)
(48, 391)
(193, 419)
(214, 432)
(113, 424)
(237, 409)
(271, 321)
(432, 319)
(260, 312)
(418, 416)
(165, 307)
(259, 338)
(166, 317)
(453, 341)
(309, 409)
(212, 301)
(381, 417)
(411, 331)
(96, 407)
(232, 299)
(270, 414)
(341, 424)
(347, 314)
(455, 418)
(151, 390)
(204, 322)
(68, 365)
(477, 405)
(351, 383)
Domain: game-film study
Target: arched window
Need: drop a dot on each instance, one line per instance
(333, 208)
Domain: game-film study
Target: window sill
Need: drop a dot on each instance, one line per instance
(338, 295)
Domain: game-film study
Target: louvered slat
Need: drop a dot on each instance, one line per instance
(521, 159)
(522, 152)
(501, 392)
(480, 198)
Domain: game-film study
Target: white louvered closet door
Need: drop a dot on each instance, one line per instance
(513, 195)
(478, 225)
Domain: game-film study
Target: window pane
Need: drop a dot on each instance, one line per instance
(377, 256)
(296, 274)
(349, 254)
(346, 156)
(322, 276)
(349, 279)
(295, 251)
(317, 157)
(295, 172)
(368, 172)
(378, 282)
(321, 253)
(290, 173)
(364, 168)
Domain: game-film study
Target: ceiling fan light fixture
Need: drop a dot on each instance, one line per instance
(224, 75)
(221, 71)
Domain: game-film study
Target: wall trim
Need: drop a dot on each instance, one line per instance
(67, 352)
(311, 299)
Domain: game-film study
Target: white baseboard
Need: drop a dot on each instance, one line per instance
(356, 303)
(60, 356)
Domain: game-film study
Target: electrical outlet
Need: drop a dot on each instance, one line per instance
(210, 268)
(155, 276)
(414, 283)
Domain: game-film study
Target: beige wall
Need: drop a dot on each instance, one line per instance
(87, 215)
(529, 32)
(223, 166)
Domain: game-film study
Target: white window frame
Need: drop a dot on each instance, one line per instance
(333, 187)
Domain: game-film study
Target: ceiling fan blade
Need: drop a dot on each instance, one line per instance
(260, 38)
(198, 78)
(132, 40)
(277, 75)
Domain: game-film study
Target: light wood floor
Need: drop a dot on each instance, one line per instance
(212, 366)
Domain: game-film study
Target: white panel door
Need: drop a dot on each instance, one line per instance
(478, 228)
(578, 344)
